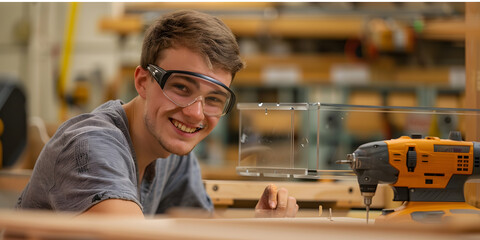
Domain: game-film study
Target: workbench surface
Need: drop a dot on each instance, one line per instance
(48, 225)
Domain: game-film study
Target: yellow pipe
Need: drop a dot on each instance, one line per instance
(2, 127)
(65, 63)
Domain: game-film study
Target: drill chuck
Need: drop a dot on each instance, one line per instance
(350, 160)
(367, 198)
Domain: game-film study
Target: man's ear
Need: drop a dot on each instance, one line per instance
(141, 81)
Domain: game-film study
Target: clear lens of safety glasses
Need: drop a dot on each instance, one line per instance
(185, 88)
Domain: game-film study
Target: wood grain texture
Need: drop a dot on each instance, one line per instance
(45, 225)
(344, 193)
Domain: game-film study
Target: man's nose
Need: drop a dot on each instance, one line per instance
(195, 110)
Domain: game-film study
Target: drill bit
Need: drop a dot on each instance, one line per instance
(330, 214)
(367, 200)
(368, 210)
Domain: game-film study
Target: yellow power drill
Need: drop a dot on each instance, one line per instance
(427, 173)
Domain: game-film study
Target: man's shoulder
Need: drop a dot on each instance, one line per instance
(107, 116)
(112, 106)
(106, 120)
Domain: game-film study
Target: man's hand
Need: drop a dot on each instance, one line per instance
(276, 203)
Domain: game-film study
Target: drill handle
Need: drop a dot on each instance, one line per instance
(400, 194)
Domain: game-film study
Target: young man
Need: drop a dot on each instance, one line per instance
(135, 158)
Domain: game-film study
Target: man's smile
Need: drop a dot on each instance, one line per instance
(182, 127)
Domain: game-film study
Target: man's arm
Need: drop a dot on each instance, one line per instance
(273, 203)
(116, 207)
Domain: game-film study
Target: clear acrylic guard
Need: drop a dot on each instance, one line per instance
(304, 140)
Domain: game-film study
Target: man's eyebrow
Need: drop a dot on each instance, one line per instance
(192, 80)
(219, 92)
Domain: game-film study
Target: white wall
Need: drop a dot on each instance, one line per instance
(10, 52)
(31, 46)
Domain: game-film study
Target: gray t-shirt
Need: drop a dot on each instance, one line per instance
(91, 158)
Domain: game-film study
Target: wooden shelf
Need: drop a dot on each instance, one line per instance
(325, 27)
(213, 6)
(314, 69)
(328, 26)
(124, 25)
(444, 29)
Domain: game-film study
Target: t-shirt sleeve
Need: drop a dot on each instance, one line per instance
(93, 166)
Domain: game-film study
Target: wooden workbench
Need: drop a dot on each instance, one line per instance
(47, 225)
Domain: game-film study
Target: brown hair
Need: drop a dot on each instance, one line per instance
(200, 32)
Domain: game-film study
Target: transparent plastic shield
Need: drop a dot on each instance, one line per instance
(304, 140)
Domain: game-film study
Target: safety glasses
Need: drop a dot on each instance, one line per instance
(185, 88)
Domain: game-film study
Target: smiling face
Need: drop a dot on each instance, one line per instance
(178, 130)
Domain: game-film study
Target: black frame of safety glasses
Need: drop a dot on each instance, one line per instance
(165, 74)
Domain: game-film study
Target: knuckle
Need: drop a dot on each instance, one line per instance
(282, 205)
(283, 191)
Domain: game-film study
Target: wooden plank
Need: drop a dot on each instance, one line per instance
(201, 6)
(325, 26)
(14, 180)
(46, 225)
(422, 75)
(344, 193)
(472, 68)
(472, 86)
(444, 29)
(245, 26)
(333, 27)
(318, 69)
(123, 25)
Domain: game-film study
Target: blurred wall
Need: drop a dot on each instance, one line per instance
(32, 37)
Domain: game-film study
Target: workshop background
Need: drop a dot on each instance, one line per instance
(68, 58)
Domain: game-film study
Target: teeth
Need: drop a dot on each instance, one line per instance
(184, 128)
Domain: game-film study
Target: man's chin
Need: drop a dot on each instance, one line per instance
(180, 150)
(177, 146)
